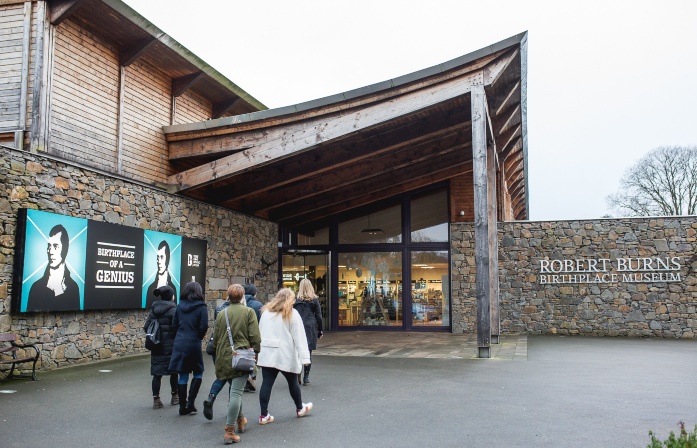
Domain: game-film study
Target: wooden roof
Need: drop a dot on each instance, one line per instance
(300, 164)
(136, 37)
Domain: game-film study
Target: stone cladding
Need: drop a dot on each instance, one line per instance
(236, 245)
(620, 308)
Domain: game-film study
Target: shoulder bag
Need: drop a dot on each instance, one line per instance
(243, 359)
(210, 346)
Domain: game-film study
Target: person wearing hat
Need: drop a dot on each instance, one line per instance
(163, 309)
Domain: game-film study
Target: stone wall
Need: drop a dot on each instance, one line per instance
(236, 244)
(584, 305)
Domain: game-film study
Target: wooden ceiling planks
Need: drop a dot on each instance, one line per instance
(302, 166)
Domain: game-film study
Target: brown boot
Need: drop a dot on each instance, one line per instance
(241, 424)
(156, 402)
(230, 436)
(175, 399)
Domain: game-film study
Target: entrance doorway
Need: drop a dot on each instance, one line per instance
(314, 266)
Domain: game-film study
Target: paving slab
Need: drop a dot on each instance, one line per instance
(562, 392)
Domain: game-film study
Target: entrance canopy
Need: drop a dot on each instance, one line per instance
(301, 164)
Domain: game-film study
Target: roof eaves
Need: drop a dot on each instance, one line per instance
(182, 51)
(351, 94)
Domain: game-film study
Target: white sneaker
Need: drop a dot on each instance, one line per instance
(307, 407)
(265, 419)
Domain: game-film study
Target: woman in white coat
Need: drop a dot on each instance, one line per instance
(284, 350)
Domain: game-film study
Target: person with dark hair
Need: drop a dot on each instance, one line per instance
(190, 324)
(163, 310)
(244, 334)
(56, 290)
(163, 278)
(250, 296)
(310, 311)
(218, 384)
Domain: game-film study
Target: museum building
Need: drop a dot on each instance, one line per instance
(404, 202)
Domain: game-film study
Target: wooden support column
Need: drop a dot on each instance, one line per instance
(481, 219)
(119, 121)
(493, 243)
(38, 87)
(24, 81)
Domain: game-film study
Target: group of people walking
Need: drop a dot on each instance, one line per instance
(283, 333)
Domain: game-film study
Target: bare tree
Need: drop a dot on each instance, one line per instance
(662, 183)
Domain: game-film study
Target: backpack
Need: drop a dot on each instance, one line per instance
(152, 335)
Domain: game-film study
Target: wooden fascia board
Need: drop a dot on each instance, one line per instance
(305, 111)
(280, 142)
(183, 83)
(62, 9)
(377, 195)
(247, 123)
(359, 153)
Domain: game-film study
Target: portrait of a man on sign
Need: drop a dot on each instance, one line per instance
(161, 264)
(56, 283)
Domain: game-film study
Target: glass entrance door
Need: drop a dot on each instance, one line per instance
(314, 266)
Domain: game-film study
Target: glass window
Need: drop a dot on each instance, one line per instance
(314, 267)
(370, 289)
(311, 237)
(383, 226)
(429, 218)
(430, 288)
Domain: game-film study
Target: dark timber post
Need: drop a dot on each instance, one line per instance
(481, 219)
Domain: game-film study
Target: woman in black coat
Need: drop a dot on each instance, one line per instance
(310, 311)
(162, 311)
(190, 324)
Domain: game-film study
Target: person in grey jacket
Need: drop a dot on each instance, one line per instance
(283, 350)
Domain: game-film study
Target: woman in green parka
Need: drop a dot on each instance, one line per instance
(245, 334)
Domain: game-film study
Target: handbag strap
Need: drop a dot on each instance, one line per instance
(229, 333)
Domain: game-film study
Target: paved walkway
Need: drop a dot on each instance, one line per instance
(568, 392)
(382, 344)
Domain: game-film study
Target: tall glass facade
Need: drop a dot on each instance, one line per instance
(389, 266)
(370, 289)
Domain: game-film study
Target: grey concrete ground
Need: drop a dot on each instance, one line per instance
(567, 392)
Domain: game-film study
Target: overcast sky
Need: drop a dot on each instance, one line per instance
(607, 80)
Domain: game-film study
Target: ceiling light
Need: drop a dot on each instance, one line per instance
(370, 230)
